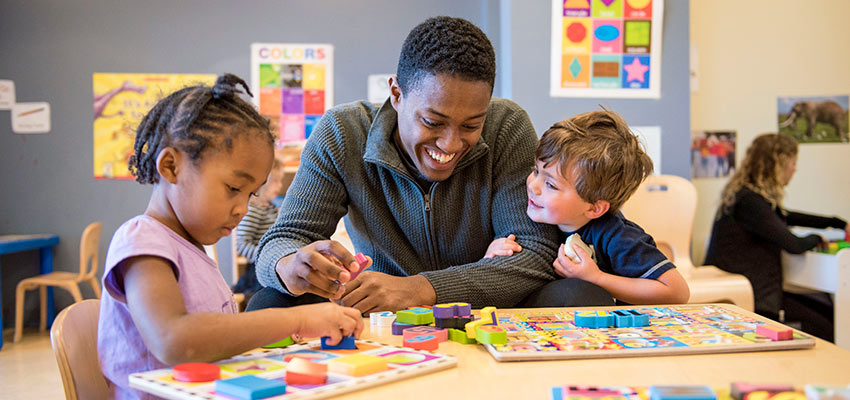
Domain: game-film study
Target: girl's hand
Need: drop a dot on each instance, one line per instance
(327, 319)
(503, 247)
(586, 269)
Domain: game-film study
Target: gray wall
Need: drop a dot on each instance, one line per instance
(51, 48)
(529, 55)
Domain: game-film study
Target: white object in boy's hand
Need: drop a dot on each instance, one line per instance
(575, 239)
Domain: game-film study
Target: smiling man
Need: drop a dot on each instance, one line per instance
(425, 182)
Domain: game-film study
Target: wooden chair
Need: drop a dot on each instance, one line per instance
(69, 281)
(665, 207)
(74, 340)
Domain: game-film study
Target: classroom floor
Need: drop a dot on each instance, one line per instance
(28, 368)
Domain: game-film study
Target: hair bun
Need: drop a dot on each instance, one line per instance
(226, 86)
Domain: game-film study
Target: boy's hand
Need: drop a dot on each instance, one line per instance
(503, 247)
(586, 270)
(327, 319)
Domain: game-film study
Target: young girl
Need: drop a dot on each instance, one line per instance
(260, 217)
(206, 152)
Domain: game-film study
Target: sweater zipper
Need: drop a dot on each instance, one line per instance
(428, 234)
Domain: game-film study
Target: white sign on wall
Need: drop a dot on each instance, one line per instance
(7, 94)
(378, 88)
(31, 117)
(650, 137)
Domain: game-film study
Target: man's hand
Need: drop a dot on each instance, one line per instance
(374, 291)
(318, 268)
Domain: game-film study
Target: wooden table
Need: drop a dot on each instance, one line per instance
(828, 273)
(44, 244)
(478, 375)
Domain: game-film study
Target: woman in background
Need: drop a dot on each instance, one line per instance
(751, 229)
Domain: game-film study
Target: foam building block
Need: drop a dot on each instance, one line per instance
(250, 387)
(399, 327)
(774, 332)
(422, 342)
(347, 343)
(383, 318)
(357, 365)
(489, 315)
(762, 395)
(629, 318)
(363, 261)
(593, 392)
(442, 335)
(453, 322)
(302, 371)
(594, 319)
(196, 372)
(470, 327)
(283, 343)
(457, 335)
(823, 392)
(449, 310)
(416, 316)
(684, 392)
(491, 334)
(740, 390)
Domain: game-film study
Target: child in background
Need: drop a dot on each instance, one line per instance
(587, 167)
(206, 151)
(260, 217)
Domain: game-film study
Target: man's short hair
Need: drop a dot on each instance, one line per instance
(600, 152)
(446, 45)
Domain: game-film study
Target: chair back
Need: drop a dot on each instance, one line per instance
(74, 340)
(89, 243)
(665, 207)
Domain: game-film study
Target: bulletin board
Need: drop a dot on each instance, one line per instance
(606, 48)
(293, 86)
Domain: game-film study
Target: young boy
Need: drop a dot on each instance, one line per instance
(587, 167)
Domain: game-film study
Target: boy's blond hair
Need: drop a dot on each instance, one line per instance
(605, 157)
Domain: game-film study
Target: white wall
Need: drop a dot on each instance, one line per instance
(751, 52)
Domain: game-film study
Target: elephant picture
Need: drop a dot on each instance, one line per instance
(814, 119)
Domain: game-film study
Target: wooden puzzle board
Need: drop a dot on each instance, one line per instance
(271, 364)
(672, 330)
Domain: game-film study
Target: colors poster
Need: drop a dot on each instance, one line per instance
(120, 102)
(293, 86)
(606, 48)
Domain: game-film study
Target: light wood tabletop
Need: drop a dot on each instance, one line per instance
(478, 374)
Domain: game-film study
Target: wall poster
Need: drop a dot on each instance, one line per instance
(293, 86)
(606, 48)
(120, 102)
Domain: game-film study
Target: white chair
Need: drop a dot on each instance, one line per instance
(665, 207)
(69, 281)
(74, 340)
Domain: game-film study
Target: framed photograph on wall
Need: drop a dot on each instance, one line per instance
(606, 48)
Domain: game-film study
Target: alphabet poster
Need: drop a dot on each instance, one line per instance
(120, 102)
(293, 86)
(606, 48)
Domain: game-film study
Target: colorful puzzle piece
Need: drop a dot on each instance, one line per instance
(441, 334)
(489, 316)
(250, 387)
(740, 390)
(491, 334)
(422, 342)
(416, 316)
(399, 327)
(357, 365)
(775, 333)
(471, 326)
(383, 318)
(456, 335)
(683, 392)
(346, 343)
(283, 343)
(629, 318)
(363, 261)
(765, 395)
(823, 392)
(453, 322)
(196, 372)
(594, 319)
(302, 371)
(592, 392)
(449, 310)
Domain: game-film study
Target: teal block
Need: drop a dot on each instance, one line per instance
(250, 387)
(594, 319)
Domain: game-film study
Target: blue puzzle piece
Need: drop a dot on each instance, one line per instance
(681, 393)
(250, 387)
(347, 343)
(594, 319)
(629, 318)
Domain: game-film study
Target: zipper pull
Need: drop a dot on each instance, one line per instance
(427, 203)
